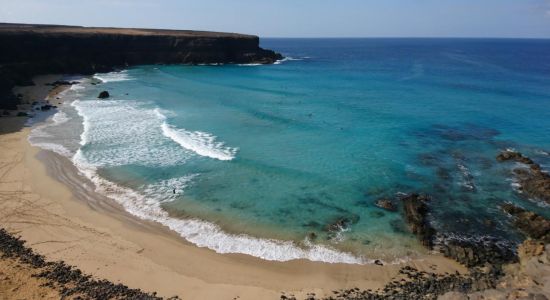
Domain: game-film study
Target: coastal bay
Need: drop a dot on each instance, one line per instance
(44, 201)
(347, 169)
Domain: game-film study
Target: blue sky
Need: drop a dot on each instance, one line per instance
(299, 18)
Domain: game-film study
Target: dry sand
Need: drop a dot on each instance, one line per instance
(43, 199)
(16, 282)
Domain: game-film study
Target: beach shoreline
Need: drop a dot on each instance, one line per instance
(41, 204)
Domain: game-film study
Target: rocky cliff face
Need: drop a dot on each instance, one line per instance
(29, 50)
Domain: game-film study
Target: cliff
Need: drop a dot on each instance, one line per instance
(29, 50)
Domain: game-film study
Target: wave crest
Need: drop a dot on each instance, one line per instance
(202, 143)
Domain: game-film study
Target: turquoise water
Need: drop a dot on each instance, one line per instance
(277, 152)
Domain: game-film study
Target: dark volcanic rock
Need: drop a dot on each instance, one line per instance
(512, 155)
(530, 223)
(386, 204)
(473, 252)
(341, 223)
(63, 82)
(414, 284)
(416, 210)
(30, 50)
(67, 280)
(103, 95)
(533, 182)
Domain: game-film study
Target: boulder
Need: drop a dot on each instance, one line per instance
(341, 223)
(386, 204)
(103, 95)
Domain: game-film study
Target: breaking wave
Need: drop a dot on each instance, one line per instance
(201, 143)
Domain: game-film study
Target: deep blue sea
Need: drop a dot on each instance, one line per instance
(260, 159)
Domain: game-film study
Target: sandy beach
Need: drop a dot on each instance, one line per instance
(45, 201)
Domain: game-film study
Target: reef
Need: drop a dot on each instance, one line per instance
(533, 181)
(416, 210)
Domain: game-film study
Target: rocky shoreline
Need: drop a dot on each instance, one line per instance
(30, 50)
(529, 278)
(533, 181)
(497, 270)
(68, 281)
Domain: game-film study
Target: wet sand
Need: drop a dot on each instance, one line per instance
(53, 208)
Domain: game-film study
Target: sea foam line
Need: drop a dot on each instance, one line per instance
(209, 235)
(113, 76)
(288, 58)
(38, 132)
(202, 143)
(85, 122)
(200, 232)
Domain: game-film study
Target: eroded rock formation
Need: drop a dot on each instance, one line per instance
(530, 223)
(533, 181)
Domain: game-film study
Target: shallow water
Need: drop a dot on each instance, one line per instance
(278, 152)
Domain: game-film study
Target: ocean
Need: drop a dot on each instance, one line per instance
(262, 159)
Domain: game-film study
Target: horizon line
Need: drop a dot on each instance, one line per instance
(406, 37)
(293, 37)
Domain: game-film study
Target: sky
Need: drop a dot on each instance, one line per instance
(299, 18)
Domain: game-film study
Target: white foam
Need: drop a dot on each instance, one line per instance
(205, 234)
(170, 188)
(542, 152)
(202, 143)
(132, 133)
(38, 132)
(211, 64)
(60, 117)
(127, 132)
(113, 76)
(288, 58)
(85, 122)
(102, 121)
(467, 177)
(59, 149)
(249, 65)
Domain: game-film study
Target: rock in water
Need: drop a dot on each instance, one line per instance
(533, 182)
(103, 95)
(512, 155)
(416, 210)
(340, 224)
(530, 223)
(386, 204)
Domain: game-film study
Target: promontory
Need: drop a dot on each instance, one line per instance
(30, 50)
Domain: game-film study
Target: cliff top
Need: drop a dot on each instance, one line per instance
(10, 28)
